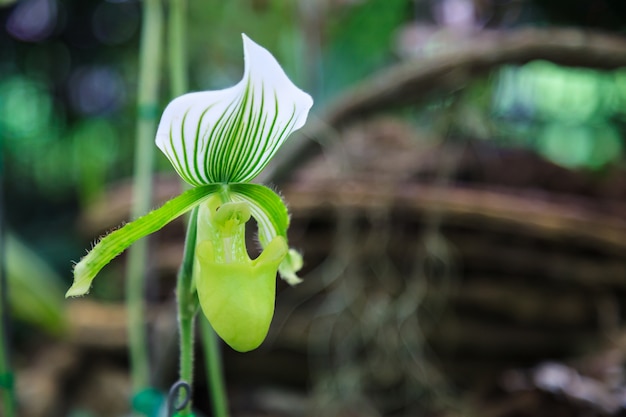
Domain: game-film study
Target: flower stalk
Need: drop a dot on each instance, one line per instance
(177, 51)
(187, 307)
(215, 374)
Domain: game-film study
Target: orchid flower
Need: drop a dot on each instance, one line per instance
(218, 141)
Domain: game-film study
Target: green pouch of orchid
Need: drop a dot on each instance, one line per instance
(236, 293)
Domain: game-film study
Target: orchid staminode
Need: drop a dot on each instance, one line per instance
(218, 141)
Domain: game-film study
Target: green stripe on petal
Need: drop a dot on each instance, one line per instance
(229, 136)
(117, 241)
(272, 217)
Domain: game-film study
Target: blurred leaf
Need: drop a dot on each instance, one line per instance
(94, 142)
(546, 91)
(607, 146)
(569, 146)
(580, 146)
(567, 94)
(361, 42)
(565, 114)
(35, 290)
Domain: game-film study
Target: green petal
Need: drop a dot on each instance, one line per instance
(229, 136)
(117, 241)
(272, 217)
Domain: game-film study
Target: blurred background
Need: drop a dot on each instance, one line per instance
(458, 194)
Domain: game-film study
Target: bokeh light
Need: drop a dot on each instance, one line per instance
(25, 109)
(96, 90)
(455, 14)
(33, 20)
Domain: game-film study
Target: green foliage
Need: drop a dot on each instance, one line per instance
(361, 42)
(568, 115)
(94, 143)
(35, 290)
(580, 146)
(42, 150)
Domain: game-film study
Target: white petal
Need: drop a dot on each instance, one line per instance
(230, 135)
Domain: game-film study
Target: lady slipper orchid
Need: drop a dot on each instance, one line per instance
(218, 141)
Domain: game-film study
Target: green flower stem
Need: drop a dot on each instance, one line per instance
(187, 306)
(149, 59)
(215, 374)
(177, 50)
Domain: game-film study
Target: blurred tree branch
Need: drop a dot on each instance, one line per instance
(524, 214)
(418, 80)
